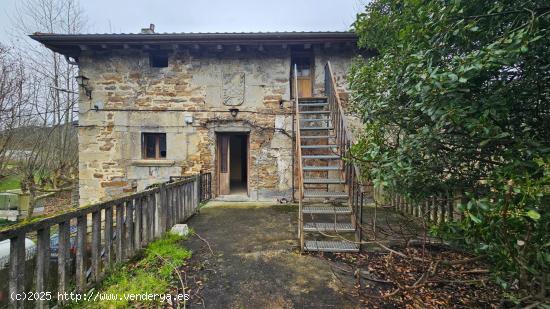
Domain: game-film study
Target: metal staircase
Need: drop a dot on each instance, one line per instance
(329, 195)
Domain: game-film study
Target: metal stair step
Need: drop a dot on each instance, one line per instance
(326, 210)
(319, 98)
(321, 157)
(314, 119)
(316, 136)
(315, 128)
(326, 194)
(315, 112)
(328, 227)
(323, 181)
(321, 168)
(308, 104)
(318, 146)
(330, 246)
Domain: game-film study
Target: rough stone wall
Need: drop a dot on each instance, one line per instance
(130, 97)
(341, 61)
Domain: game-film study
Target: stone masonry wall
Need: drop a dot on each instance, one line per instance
(130, 97)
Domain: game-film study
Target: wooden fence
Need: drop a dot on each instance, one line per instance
(435, 209)
(117, 230)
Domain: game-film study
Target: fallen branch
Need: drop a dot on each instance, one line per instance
(428, 242)
(70, 188)
(475, 271)
(366, 275)
(207, 243)
(443, 262)
(459, 281)
(177, 272)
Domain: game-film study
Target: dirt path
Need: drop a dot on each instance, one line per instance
(255, 262)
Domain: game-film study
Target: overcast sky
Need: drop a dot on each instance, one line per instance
(127, 16)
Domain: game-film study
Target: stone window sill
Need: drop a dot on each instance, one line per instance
(150, 162)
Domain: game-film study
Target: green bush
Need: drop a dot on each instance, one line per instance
(458, 98)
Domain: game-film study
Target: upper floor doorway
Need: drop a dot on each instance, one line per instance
(303, 61)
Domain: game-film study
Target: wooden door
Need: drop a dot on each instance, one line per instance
(304, 87)
(223, 164)
(304, 76)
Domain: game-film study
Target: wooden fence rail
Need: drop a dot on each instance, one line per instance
(106, 233)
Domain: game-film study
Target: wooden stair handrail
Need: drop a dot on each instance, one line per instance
(299, 152)
(334, 91)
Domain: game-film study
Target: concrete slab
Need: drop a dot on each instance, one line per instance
(255, 262)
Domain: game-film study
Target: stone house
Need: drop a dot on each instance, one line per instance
(157, 105)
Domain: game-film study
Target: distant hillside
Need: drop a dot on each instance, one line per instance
(26, 137)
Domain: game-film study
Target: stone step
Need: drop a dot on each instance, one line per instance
(319, 146)
(321, 168)
(330, 246)
(321, 157)
(315, 128)
(324, 181)
(326, 210)
(324, 194)
(328, 227)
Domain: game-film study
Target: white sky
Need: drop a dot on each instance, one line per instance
(105, 16)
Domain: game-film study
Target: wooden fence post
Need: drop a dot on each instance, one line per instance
(156, 214)
(180, 204)
(450, 210)
(138, 210)
(442, 208)
(119, 244)
(17, 270)
(463, 201)
(63, 258)
(434, 209)
(162, 210)
(96, 246)
(198, 199)
(42, 265)
(129, 241)
(169, 209)
(81, 228)
(184, 200)
(108, 235)
(146, 220)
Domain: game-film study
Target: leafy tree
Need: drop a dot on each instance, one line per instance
(458, 98)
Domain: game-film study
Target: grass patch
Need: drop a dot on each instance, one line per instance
(10, 183)
(154, 273)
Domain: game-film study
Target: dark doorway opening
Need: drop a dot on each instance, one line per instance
(238, 171)
(233, 163)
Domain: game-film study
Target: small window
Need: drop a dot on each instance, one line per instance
(158, 60)
(153, 145)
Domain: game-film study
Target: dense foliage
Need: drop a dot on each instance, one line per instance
(458, 98)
